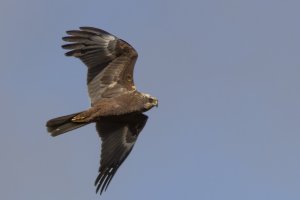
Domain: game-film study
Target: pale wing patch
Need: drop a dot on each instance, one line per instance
(106, 80)
(112, 85)
(127, 143)
(103, 43)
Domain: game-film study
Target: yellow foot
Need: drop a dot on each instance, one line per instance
(78, 118)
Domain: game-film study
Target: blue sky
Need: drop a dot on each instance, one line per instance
(226, 74)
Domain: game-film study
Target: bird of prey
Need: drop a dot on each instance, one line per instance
(116, 105)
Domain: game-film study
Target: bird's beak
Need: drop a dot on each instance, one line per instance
(156, 103)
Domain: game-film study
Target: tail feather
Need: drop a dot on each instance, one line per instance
(60, 125)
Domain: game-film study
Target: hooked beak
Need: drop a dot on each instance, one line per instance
(156, 103)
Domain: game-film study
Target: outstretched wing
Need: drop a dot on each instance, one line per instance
(110, 61)
(118, 136)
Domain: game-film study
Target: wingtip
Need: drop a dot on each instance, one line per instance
(65, 38)
(85, 27)
(69, 53)
(69, 32)
(53, 134)
(64, 46)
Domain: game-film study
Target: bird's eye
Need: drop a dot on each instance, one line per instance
(151, 100)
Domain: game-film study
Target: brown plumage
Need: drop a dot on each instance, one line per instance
(116, 106)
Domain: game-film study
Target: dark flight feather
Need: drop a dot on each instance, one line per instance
(118, 135)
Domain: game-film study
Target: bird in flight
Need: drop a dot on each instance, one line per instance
(116, 105)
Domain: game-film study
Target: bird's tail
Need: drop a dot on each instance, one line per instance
(63, 124)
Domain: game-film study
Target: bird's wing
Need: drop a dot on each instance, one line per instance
(118, 138)
(110, 61)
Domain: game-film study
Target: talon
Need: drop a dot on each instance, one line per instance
(77, 118)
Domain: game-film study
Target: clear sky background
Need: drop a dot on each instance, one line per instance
(227, 77)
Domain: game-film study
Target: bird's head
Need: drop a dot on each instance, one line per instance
(150, 101)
